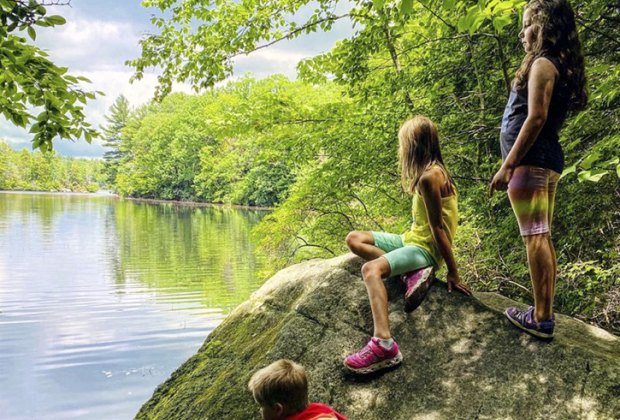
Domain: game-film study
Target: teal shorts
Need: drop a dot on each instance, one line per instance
(402, 258)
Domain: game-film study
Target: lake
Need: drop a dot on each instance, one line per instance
(101, 299)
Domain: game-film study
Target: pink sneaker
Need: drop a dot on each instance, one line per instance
(372, 357)
(418, 283)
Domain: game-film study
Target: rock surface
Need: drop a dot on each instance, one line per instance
(462, 360)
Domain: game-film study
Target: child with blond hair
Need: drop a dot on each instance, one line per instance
(281, 390)
(414, 254)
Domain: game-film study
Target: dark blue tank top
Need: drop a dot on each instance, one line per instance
(546, 151)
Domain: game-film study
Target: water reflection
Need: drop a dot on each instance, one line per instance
(101, 299)
(183, 249)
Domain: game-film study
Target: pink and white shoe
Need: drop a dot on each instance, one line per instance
(373, 357)
(418, 283)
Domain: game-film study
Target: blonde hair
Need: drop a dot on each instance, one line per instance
(418, 150)
(284, 382)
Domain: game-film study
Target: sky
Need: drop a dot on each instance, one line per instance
(100, 35)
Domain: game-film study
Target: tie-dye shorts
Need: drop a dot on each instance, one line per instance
(532, 195)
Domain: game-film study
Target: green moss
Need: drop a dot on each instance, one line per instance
(196, 388)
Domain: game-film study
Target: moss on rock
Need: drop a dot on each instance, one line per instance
(461, 358)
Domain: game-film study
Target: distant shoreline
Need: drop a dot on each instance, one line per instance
(197, 203)
(105, 193)
(102, 193)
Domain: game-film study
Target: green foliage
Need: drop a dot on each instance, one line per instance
(202, 55)
(39, 171)
(591, 290)
(29, 79)
(232, 145)
(117, 119)
(452, 60)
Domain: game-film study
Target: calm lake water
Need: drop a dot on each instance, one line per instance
(101, 299)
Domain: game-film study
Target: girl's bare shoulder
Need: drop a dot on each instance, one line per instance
(544, 66)
(432, 177)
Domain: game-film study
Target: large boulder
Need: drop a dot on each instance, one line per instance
(462, 360)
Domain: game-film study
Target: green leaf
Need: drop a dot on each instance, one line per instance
(500, 22)
(618, 171)
(449, 4)
(406, 7)
(56, 20)
(378, 4)
(569, 171)
(35, 128)
(590, 160)
(466, 23)
(478, 21)
(503, 6)
(592, 176)
(32, 33)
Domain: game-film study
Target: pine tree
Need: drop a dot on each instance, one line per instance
(112, 132)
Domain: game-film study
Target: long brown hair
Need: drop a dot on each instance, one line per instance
(556, 36)
(418, 150)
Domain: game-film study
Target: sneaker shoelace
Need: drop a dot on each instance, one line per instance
(520, 315)
(367, 352)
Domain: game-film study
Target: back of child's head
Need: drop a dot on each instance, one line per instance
(282, 382)
(418, 149)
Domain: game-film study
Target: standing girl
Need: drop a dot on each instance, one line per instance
(549, 83)
(417, 252)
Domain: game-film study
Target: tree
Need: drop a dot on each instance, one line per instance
(30, 82)
(112, 132)
(452, 60)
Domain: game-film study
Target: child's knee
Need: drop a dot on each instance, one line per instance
(353, 239)
(537, 242)
(372, 271)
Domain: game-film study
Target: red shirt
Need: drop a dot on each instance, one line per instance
(316, 411)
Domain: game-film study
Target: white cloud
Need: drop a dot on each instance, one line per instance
(113, 83)
(97, 48)
(269, 61)
(89, 45)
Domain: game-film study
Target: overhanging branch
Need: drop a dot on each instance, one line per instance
(291, 34)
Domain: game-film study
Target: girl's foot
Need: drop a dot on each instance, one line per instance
(418, 283)
(525, 321)
(373, 357)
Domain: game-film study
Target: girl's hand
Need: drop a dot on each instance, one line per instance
(454, 282)
(501, 179)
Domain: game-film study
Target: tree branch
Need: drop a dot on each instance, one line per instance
(449, 25)
(307, 245)
(366, 211)
(290, 35)
(55, 3)
(601, 33)
(395, 61)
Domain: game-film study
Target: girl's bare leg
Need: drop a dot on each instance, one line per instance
(542, 265)
(363, 244)
(373, 273)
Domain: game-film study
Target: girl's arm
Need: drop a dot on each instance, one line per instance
(540, 89)
(430, 188)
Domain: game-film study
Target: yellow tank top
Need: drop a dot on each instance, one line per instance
(420, 233)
